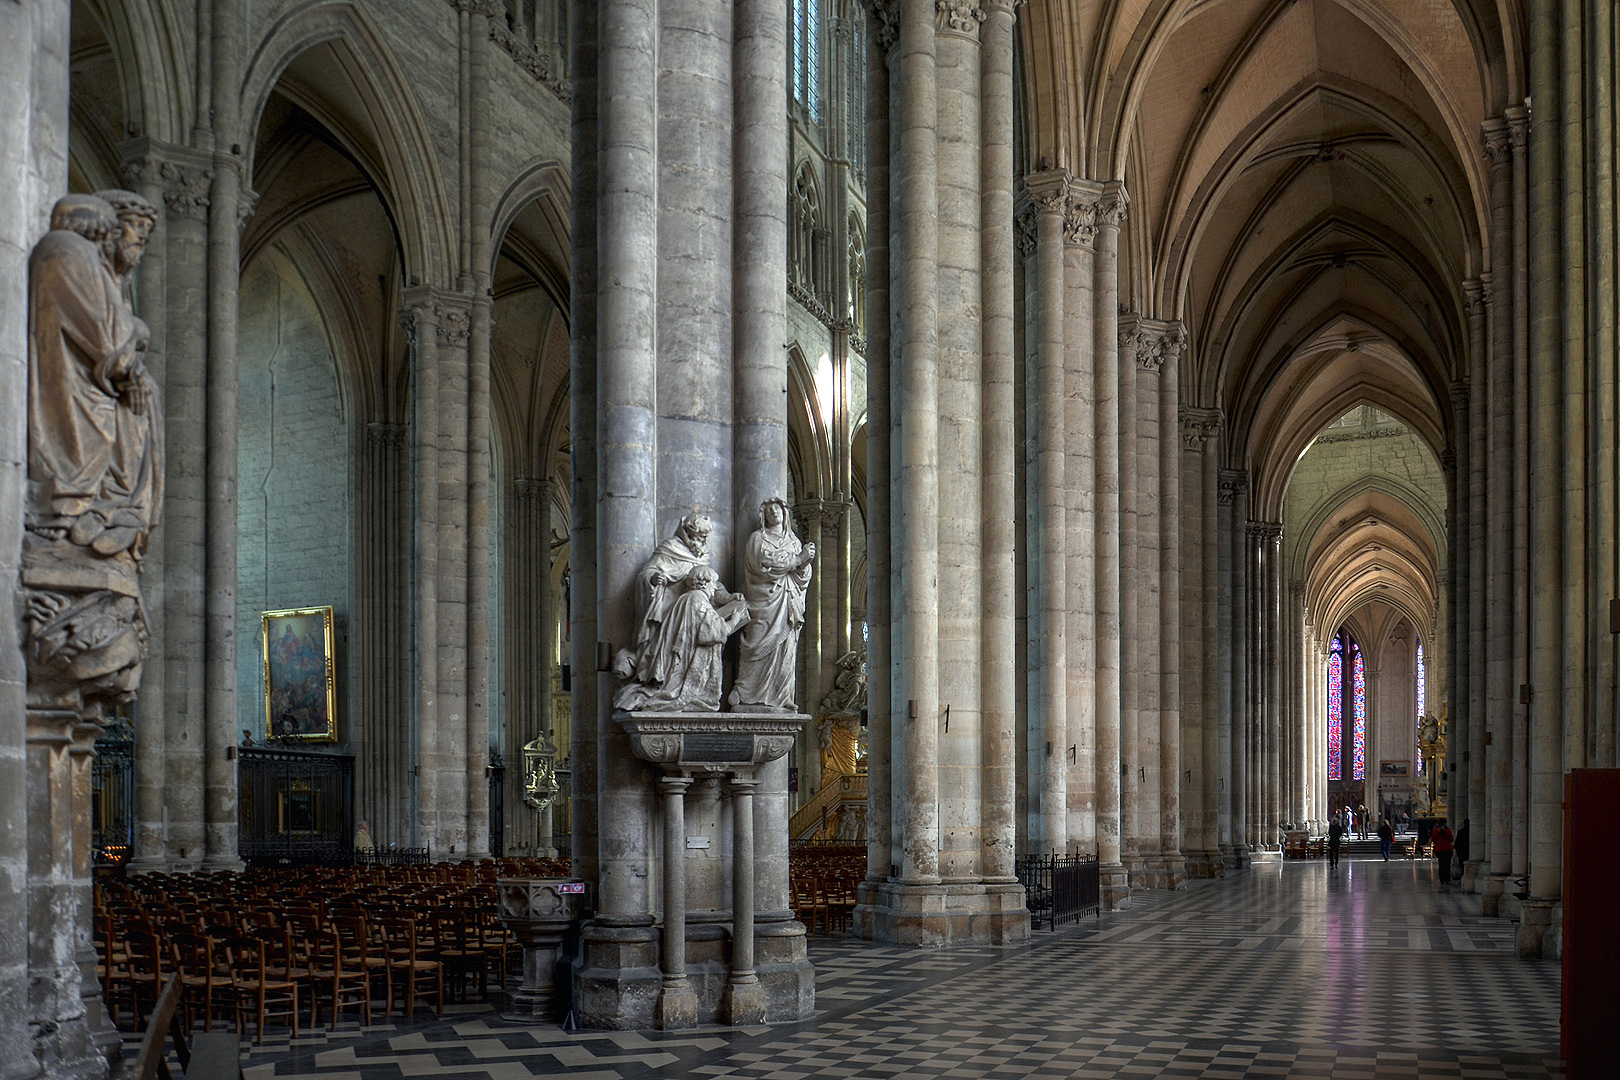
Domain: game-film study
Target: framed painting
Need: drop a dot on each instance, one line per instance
(1393, 768)
(300, 692)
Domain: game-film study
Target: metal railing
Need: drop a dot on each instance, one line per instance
(1059, 888)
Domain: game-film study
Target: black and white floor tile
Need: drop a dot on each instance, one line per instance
(1284, 970)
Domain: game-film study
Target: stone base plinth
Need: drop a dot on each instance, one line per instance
(782, 962)
(1536, 938)
(1472, 873)
(941, 916)
(617, 984)
(1490, 896)
(1114, 883)
(1205, 864)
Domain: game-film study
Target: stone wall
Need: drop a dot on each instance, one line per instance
(294, 495)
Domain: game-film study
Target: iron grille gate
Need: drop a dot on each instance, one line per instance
(112, 802)
(296, 808)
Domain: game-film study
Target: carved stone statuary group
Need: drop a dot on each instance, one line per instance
(684, 617)
(95, 458)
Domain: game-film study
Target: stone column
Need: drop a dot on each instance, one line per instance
(1200, 640)
(453, 324)
(1080, 579)
(917, 386)
(1137, 655)
(1225, 610)
(1048, 647)
(226, 209)
(381, 730)
(1110, 213)
(1518, 122)
(960, 440)
(586, 706)
(807, 515)
(677, 1002)
(419, 322)
(1500, 691)
(1556, 331)
(1296, 712)
(1242, 622)
(879, 459)
(997, 690)
(1171, 561)
(1475, 757)
(48, 1025)
(744, 1001)
(1275, 656)
(528, 635)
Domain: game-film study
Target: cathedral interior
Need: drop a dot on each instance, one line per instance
(927, 445)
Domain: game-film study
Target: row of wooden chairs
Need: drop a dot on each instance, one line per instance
(822, 881)
(338, 944)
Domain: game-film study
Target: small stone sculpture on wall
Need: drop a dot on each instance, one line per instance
(777, 569)
(95, 457)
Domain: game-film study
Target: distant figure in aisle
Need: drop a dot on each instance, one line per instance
(1335, 837)
(1443, 841)
(1386, 836)
(1361, 821)
(1461, 844)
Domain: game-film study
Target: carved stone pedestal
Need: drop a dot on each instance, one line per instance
(542, 913)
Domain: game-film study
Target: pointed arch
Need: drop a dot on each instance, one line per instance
(385, 136)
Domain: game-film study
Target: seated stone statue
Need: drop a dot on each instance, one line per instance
(684, 663)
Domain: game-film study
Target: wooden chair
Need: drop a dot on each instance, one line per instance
(332, 979)
(363, 950)
(204, 987)
(459, 947)
(210, 1056)
(258, 991)
(148, 968)
(416, 971)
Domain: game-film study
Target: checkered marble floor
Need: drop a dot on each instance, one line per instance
(1284, 970)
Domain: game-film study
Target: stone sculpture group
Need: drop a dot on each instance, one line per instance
(684, 617)
(95, 457)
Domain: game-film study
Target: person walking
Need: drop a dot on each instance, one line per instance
(1461, 844)
(1335, 835)
(1443, 841)
(1386, 836)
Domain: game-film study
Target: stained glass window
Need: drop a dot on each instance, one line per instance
(806, 58)
(1420, 675)
(1336, 711)
(1359, 691)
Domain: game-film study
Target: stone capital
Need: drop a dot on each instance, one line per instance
(1518, 124)
(960, 17)
(1199, 427)
(1004, 7)
(1231, 483)
(1111, 211)
(1474, 296)
(886, 22)
(1153, 341)
(1048, 190)
(183, 175)
(1024, 231)
(1497, 141)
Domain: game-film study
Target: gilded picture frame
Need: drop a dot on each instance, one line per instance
(1393, 768)
(300, 688)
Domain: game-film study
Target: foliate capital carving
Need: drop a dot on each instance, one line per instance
(958, 17)
(1080, 219)
(455, 325)
(247, 201)
(1518, 124)
(886, 22)
(185, 189)
(1199, 427)
(1265, 532)
(1153, 341)
(1474, 296)
(385, 435)
(1004, 7)
(1459, 395)
(1111, 209)
(1231, 483)
(1448, 461)
(1498, 144)
(1024, 231)
(1048, 190)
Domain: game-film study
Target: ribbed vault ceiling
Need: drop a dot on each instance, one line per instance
(1308, 194)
